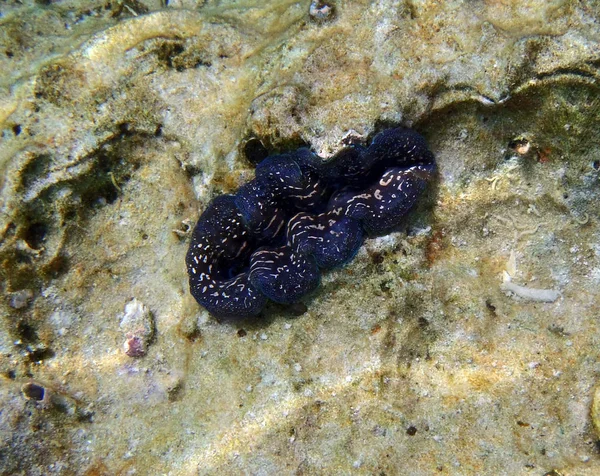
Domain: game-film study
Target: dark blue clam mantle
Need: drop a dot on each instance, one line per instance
(299, 215)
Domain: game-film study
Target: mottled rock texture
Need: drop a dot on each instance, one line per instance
(121, 120)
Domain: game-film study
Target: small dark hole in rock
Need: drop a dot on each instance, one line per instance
(385, 286)
(168, 52)
(124, 128)
(9, 54)
(33, 391)
(423, 323)
(298, 308)
(174, 393)
(85, 417)
(191, 170)
(61, 405)
(11, 374)
(145, 236)
(159, 130)
(26, 332)
(104, 165)
(596, 164)
(377, 258)
(193, 335)
(254, 150)
(16, 129)
(565, 195)
(41, 354)
(242, 333)
(513, 144)
(70, 215)
(110, 194)
(35, 235)
(411, 431)
(22, 258)
(200, 63)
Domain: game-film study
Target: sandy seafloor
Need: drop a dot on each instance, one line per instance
(121, 120)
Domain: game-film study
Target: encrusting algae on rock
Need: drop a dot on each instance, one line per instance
(118, 129)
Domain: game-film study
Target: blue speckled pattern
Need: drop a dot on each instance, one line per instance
(299, 215)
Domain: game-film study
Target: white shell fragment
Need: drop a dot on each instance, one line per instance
(138, 325)
(530, 294)
(320, 10)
